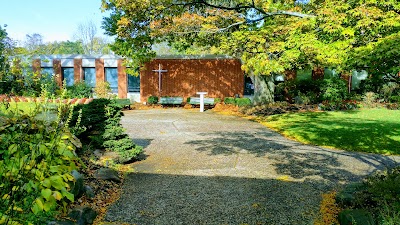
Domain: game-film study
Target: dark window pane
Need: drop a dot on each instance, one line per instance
(112, 78)
(68, 76)
(133, 83)
(90, 76)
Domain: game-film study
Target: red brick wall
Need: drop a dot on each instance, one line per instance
(36, 66)
(57, 71)
(122, 80)
(78, 73)
(219, 77)
(99, 64)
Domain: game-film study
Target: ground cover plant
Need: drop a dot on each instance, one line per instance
(368, 130)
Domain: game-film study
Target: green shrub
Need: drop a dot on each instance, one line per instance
(115, 138)
(380, 195)
(242, 102)
(394, 99)
(369, 99)
(229, 101)
(188, 99)
(333, 89)
(37, 157)
(93, 120)
(152, 100)
(217, 100)
(79, 90)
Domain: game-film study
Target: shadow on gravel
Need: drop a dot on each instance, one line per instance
(179, 199)
(228, 143)
(292, 158)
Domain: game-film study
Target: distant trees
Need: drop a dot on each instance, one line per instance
(86, 33)
(6, 47)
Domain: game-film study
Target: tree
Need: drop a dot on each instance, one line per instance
(270, 37)
(6, 47)
(34, 43)
(86, 33)
(237, 28)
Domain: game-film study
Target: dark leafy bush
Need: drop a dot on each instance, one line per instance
(152, 100)
(394, 99)
(333, 89)
(79, 90)
(242, 102)
(93, 120)
(229, 100)
(380, 195)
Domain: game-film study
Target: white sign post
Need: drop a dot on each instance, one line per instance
(201, 100)
(160, 71)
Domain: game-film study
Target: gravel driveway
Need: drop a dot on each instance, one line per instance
(206, 168)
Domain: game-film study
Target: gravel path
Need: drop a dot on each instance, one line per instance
(206, 168)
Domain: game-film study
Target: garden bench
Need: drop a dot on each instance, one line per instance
(170, 101)
(194, 101)
(124, 102)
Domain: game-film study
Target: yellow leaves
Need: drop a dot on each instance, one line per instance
(5, 197)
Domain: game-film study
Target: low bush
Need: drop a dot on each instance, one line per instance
(151, 100)
(394, 99)
(229, 101)
(92, 120)
(333, 90)
(79, 90)
(242, 102)
(115, 138)
(342, 105)
(369, 99)
(217, 100)
(380, 196)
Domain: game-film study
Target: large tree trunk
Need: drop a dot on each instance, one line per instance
(264, 88)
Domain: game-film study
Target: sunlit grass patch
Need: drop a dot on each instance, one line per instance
(369, 130)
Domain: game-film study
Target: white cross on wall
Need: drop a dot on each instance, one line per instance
(160, 71)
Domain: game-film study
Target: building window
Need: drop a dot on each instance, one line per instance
(47, 72)
(89, 75)
(112, 78)
(133, 83)
(68, 75)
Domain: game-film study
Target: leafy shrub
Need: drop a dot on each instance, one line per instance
(381, 192)
(343, 105)
(217, 100)
(333, 89)
(188, 99)
(229, 101)
(369, 99)
(394, 99)
(102, 89)
(93, 120)
(152, 100)
(388, 89)
(242, 102)
(37, 157)
(79, 90)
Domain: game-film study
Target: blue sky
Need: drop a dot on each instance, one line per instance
(55, 20)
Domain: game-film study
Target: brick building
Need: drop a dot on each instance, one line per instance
(182, 76)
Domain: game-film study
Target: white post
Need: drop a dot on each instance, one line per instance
(201, 100)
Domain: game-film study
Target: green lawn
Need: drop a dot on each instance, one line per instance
(368, 130)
